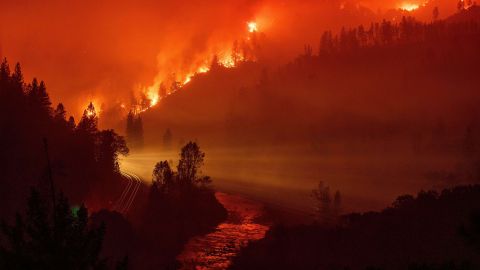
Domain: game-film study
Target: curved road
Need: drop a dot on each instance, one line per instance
(127, 198)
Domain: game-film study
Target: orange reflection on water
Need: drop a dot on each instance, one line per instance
(217, 249)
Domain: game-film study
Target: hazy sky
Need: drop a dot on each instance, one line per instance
(106, 50)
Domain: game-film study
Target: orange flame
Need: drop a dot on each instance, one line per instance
(96, 106)
(252, 27)
(228, 57)
(409, 7)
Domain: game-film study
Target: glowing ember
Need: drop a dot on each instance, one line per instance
(409, 7)
(252, 27)
(203, 70)
(227, 62)
(153, 96)
(90, 113)
(92, 109)
(188, 79)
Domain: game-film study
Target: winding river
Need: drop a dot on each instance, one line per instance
(217, 249)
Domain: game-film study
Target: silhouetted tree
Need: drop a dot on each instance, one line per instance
(326, 43)
(191, 159)
(307, 50)
(435, 13)
(163, 176)
(59, 113)
(39, 99)
(89, 122)
(52, 238)
(71, 123)
(110, 145)
(77, 152)
(215, 63)
(134, 130)
(4, 73)
(17, 79)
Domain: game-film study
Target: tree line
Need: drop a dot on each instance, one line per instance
(389, 33)
(84, 159)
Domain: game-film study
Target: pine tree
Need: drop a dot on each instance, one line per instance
(43, 98)
(89, 122)
(51, 237)
(59, 114)
(4, 71)
(17, 78)
(71, 123)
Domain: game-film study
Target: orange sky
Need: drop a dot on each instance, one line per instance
(106, 51)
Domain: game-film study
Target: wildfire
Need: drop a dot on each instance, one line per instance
(188, 79)
(227, 62)
(92, 111)
(153, 96)
(203, 70)
(409, 7)
(252, 27)
(165, 85)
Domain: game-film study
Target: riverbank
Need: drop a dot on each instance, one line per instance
(217, 249)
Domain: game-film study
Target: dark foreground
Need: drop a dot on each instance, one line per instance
(429, 231)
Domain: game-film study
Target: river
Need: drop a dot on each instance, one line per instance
(217, 249)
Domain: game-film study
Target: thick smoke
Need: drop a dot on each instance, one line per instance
(108, 51)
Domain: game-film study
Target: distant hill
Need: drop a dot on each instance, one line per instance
(398, 68)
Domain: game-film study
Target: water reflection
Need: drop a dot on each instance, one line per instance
(216, 250)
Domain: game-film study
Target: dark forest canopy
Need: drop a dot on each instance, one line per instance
(53, 237)
(40, 147)
(84, 159)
